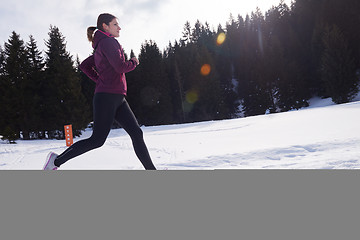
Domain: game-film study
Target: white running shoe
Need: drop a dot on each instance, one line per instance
(50, 159)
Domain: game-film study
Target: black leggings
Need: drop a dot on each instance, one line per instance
(108, 107)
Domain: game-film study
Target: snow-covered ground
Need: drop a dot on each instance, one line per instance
(323, 136)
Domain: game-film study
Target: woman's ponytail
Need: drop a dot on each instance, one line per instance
(90, 33)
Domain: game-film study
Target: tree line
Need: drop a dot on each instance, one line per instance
(260, 63)
(38, 95)
(257, 64)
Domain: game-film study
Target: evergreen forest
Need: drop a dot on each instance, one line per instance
(256, 64)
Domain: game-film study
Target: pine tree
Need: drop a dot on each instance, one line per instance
(293, 83)
(134, 83)
(275, 58)
(186, 34)
(154, 89)
(178, 102)
(317, 48)
(224, 63)
(254, 82)
(15, 79)
(176, 83)
(2, 88)
(182, 59)
(304, 18)
(31, 126)
(203, 93)
(207, 86)
(2, 61)
(345, 14)
(197, 32)
(132, 54)
(64, 102)
(338, 68)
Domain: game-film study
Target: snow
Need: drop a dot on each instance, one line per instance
(322, 136)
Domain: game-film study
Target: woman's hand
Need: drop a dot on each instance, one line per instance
(135, 60)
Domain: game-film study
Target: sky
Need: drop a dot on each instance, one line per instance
(159, 20)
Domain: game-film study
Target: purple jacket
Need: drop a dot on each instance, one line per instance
(107, 67)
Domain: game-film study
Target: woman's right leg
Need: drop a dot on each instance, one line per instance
(104, 111)
(128, 121)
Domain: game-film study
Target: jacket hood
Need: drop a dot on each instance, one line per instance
(100, 35)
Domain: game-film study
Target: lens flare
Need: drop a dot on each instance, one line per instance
(220, 39)
(205, 69)
(192, 97)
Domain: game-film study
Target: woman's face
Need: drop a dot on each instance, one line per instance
(113, 28)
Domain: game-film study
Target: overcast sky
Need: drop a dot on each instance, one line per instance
(159, 20)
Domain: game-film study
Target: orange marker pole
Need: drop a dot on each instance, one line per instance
(68, 135)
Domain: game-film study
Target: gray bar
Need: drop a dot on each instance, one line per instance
(178, 205)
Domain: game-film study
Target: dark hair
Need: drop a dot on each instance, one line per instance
(103, 18)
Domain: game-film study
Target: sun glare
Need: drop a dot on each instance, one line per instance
(205, 69)
(220, 39)
(192, 97)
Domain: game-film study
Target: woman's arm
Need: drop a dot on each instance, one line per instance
(112, 51)
(88, 67)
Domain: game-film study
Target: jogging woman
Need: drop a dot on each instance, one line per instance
(107, 68)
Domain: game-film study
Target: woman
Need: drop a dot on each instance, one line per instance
(107, 67)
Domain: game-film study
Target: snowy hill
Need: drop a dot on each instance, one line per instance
(319, 137)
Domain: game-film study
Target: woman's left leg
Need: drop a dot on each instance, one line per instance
(126, 118)
(105, 106)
